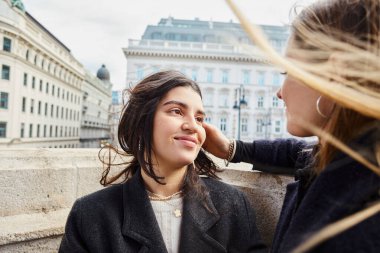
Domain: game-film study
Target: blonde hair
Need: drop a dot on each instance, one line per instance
(335, 51)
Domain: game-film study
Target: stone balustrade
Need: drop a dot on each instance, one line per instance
(39, 186)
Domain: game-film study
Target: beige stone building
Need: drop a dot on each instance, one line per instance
(40, 84)
(95, 121)
(47, 97)
(229, 69)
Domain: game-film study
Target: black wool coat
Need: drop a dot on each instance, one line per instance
(313, 202)
(120, 218)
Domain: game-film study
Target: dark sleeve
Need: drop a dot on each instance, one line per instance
(72, 240)
(254, 242)
(281, 156)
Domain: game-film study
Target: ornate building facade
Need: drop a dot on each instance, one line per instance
(238, 84)
(41, 85)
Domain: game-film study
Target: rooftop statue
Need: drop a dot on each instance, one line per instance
(18, 4)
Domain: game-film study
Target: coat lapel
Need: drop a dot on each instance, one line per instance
(197, 220)
(140, 223)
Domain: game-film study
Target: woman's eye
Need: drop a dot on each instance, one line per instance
(176, 111)
(199, 119)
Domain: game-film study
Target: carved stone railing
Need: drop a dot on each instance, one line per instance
(39, 186)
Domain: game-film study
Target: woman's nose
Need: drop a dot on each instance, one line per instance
(278, 93)
(189, 125)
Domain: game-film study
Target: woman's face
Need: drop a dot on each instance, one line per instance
(178, 134)
(300, 102)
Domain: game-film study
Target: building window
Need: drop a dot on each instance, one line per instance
(223, 99)
(260, 77)
(140, 73)
(51, 131)
(275, 102)
(244, 125)
(3, 129)
(33, 82)
(5, 72)
(31, 105)
(39, 108)
(183, 71)
(223, 124)
(259, 125)
(208, 119)
(46, 109)
(194, 74)
(276, 79)
(225, 76)
(210, 75)
(22, 130)
(23, 106)
(47, 88)
(56, 131)
(44, 130)
(53, 90)
(25, 79)
(3, 100)
(7, 44)
(260, 102)
(38, 130)
(58, 90)
(52, 110)
(208, 98)
(277, 126)
(246, 77)
(30, 130)
(57, 112)
(27, 55)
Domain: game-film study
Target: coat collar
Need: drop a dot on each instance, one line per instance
(140, 222)
(141, 225)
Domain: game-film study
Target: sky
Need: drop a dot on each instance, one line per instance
(96, 30)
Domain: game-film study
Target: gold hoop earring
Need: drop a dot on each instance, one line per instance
(319, 110)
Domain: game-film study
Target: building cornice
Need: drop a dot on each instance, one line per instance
(198, 56)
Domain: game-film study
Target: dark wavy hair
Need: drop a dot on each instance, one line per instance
(135, 132)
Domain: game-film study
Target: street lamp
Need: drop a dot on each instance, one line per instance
(239, 103)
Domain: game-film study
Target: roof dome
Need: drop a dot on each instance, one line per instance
(103, 73)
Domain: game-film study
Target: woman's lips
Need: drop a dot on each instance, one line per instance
(187, 141)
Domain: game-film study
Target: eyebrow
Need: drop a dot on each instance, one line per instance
(174, 102)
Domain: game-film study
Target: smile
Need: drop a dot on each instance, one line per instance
(187, 141)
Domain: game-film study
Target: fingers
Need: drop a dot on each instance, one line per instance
(216, 142)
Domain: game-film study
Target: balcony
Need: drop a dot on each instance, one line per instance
(39, 186)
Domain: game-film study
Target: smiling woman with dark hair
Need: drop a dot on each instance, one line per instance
(163, 205)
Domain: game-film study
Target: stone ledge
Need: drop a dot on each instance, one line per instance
(39, 186)
(26, 227)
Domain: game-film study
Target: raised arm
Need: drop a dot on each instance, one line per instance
(281, 156)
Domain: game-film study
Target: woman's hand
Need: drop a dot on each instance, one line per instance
(216, 142)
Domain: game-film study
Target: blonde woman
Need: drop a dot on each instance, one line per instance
(332, 89)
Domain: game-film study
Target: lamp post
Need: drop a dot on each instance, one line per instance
(239, 103)
(268, 123)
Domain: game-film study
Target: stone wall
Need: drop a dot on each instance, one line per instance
(39, 186)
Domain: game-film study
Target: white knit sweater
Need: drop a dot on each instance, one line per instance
(169, 224)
